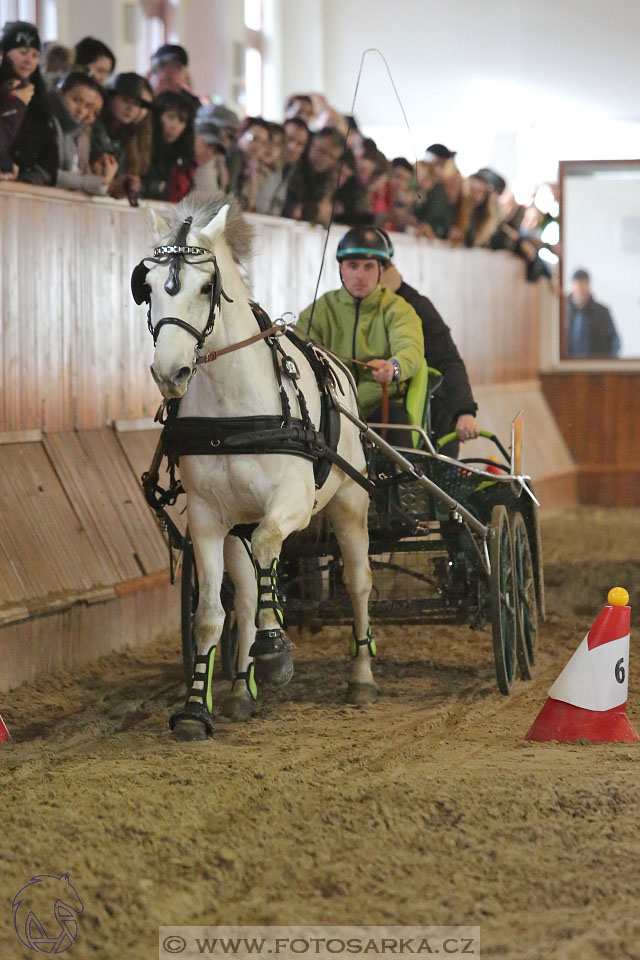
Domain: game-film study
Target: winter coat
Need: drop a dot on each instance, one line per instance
(307, 188)
(35, 147)
(68, 132)
(171, 172)
(381, 325)
(454, 396)
(596, 336)
(103, 142)
(12, 113)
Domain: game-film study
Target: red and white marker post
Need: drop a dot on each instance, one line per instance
(4, 733)
(588, 701)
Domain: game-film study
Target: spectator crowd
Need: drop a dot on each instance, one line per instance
(67, 119)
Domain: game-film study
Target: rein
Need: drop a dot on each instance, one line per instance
(277, 329)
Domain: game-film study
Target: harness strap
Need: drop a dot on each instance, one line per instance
(274, 329)
(385, 409)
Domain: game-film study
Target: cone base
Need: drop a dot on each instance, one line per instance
(4, 733)
(565, 723)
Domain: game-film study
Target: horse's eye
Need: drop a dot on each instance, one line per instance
(207, 288)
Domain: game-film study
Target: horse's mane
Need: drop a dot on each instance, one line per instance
(203, 208)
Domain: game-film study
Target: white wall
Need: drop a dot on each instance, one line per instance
(517, 84)
(594, 211)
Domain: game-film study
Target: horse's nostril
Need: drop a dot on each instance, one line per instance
(183, 374)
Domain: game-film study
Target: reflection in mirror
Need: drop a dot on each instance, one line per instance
(600, 217)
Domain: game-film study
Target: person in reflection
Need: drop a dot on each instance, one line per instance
(589, 327)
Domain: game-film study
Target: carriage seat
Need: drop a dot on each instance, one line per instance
(422, 386)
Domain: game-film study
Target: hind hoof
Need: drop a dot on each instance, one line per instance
(362, 694)
(238, 707)
(188, 731)
(274, 670)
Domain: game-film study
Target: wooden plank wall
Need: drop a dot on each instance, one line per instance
(598, 414)
(75, 350)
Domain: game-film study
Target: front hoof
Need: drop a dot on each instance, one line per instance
(188, 731)
(362, 694)
(192, 723)
(274, 670)
(238, 707)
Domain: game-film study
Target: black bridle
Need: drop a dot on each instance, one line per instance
(175, 255)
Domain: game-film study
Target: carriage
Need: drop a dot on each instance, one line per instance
(451, 541)
(448, 540)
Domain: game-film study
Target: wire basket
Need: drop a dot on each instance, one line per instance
(456, 481)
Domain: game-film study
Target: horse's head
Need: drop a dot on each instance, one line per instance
(182, 283)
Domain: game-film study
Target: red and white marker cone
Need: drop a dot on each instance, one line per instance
(4, 733)
(588, 701)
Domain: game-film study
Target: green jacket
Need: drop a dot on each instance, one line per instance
(381, 325)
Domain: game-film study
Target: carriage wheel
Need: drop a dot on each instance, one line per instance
(188, 606)
(503, 599)
(527, 613)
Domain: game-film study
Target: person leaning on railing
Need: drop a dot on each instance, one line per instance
(28, 148)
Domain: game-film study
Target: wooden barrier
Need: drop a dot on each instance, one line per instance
(82, 563)
(75, 350)
(598, 413)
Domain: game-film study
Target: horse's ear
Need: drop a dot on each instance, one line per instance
(159, 225)
(216, 226)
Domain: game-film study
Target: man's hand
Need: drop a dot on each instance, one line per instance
(391, 278)
(10, 174)
(467, 427)
(383, 370)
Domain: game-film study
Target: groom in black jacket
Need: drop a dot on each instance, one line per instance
(452, 406)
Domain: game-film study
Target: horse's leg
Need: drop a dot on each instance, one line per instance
(348, 512)
(289, 510)
(238, 704)
(193, 722)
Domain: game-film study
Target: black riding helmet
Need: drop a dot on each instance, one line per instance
(364, 242)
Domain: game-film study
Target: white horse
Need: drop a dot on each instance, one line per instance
(275, 491)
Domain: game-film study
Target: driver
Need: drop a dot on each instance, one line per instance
(371, 324)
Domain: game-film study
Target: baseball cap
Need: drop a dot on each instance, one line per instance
(439, 150)
(129, 85)
(215, 116)
(494, 179)
(167, 53)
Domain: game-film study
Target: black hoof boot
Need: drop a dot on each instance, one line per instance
(191, 723)
(273, 661)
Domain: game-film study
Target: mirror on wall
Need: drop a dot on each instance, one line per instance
(600, 261)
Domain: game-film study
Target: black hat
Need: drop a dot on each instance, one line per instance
(19, 33)
(167, 53)
(362, 243)
(439, 150)
(495, 181)
(129, 85)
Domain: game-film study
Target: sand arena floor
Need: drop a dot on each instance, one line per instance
(428, 808)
